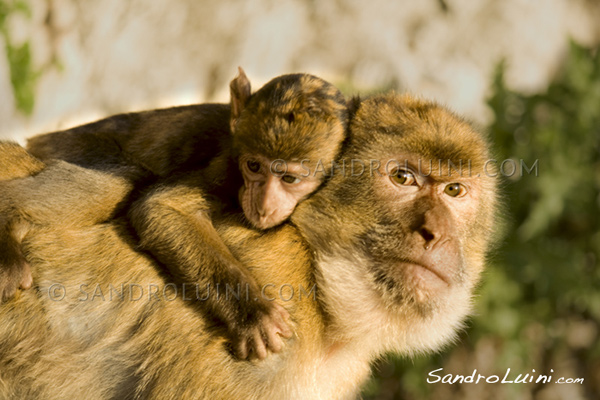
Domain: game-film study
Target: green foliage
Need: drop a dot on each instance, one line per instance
(544, 281)
(553, 255)
(22, 75)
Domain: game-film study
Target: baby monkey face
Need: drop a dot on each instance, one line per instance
(272, 189)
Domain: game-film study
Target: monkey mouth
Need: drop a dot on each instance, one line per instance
(428, 273)
(262, 223)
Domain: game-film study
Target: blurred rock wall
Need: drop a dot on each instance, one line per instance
(101, 57)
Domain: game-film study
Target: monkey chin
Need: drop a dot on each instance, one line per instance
(264, 223)
(402, 307)
(423, 281)
(261, 223)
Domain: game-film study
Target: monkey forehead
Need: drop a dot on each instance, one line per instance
(311, 140)
(294, 117)
(300, 90)
(298, 93)
(405, 124)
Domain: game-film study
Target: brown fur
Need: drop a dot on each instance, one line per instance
(346, 243)
(60, 194)
(193, 156)
(17, 162)
(174, 219)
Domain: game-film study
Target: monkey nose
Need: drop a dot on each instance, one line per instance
(429, 237)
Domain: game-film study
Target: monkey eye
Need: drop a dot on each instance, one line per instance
(253, 166)
(403, 177)
(290, 179)
(455, 190)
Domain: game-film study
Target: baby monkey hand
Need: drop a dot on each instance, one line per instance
(266, 325)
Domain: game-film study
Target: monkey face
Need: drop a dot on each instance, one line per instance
(415, 247)
(415, 232)
(268, 198)
(293, 117)
(412, 231)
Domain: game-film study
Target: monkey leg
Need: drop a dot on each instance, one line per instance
(14, 270)
(15, 162)
(60, 194)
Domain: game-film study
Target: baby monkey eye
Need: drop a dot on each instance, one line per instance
(403, 177)
(253, 166)
(290, 179)
(455, 190)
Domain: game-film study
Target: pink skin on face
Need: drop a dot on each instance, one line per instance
(434, 264)
(272, 191)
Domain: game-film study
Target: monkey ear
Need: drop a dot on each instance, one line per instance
(240, 93)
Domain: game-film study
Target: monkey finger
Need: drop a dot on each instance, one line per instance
(241, 349)
(26, 277)
(259, 345)
(274, 341)
(281, 319)
(283, 314)
(8, 291)
(286, 316)
(285, 330)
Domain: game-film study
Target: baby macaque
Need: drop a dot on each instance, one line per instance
(265, 153)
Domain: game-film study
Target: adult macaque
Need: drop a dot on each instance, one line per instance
(393, 256)
(291, 119)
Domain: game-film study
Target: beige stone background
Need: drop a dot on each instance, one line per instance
(102, 57)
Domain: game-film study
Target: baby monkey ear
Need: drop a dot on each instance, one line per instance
(240, 93)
